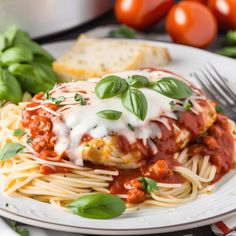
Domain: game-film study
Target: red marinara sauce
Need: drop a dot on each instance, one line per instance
(218, 143)
(38, 122)
(156, 166)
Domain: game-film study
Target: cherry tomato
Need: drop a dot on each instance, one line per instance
(202, 1)
(191, 23)
(140, 14)
(225, 12)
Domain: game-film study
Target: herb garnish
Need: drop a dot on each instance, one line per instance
(148, 184)
(21, 231)
(29, 140)
(138, 81)
(230, 49)
(98, 206)
(79, 98)
(10, 150)
(109, 114)
(55, 100)
(187, 105)
(18, 132)
(219, 108)
(131, 127)
(123, 31)
(172, 105)
(110, 86)
(172, 88)
(133, 99)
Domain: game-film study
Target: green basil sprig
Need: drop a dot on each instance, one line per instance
(148, 184)
(123, 31)
(231, 37)
(98, 206)
(26, 64)
(18, 132)
(172, 88)
(56, 100)
(79, 98)
(18, 229)
(110, 86)
(219, 108)
(138, 81)
(187, 105)
(135, 101)
(229, 51)
(15, 55)
(10, 89)
(109, 114)
(10, 150)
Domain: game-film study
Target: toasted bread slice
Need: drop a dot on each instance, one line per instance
(95, 57)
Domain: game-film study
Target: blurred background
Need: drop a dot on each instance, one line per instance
(207, 24)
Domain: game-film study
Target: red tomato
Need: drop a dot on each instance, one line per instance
(191, 23)
(225, 12)
(140, 14)
(202, 1)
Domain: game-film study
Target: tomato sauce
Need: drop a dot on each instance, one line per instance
(46, 170)
(219, 144)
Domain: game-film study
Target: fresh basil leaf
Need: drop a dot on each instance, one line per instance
(18, 132)
(152, 184)
(109, 114)
(16, 55)
(123, 31)
(42, 60)
(172, 88)
(131, 127)
(110, 86)
(79, 98)
(10, 150)
(187, 105)
(148, 184)
(135, 101)
(172, 105)
(143, 182)
(10, 35)
(10, 89)
(23, 39)
(98, 206)
(3, 42)
(219, 108)
(138, 81)
(46, 95)
(21, 231)
(18, 69)
(29, 140)
(231, 37)
(228, 51)
(34, 77)
(57, 100)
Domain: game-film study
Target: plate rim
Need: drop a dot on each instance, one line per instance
(100, 231)
(131, 231)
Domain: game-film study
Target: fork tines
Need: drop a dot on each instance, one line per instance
(216, 85)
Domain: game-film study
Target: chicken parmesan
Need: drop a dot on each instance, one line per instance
(147, 136)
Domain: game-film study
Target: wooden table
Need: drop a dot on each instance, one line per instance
(108, 19)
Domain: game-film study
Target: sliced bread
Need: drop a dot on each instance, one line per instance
(91, 57)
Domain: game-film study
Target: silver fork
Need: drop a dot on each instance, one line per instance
(218, 88)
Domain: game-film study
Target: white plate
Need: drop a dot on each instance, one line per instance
(206, 209)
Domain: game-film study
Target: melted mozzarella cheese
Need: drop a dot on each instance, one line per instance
(78, 120)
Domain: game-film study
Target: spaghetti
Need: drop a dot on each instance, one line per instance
(58, 180)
